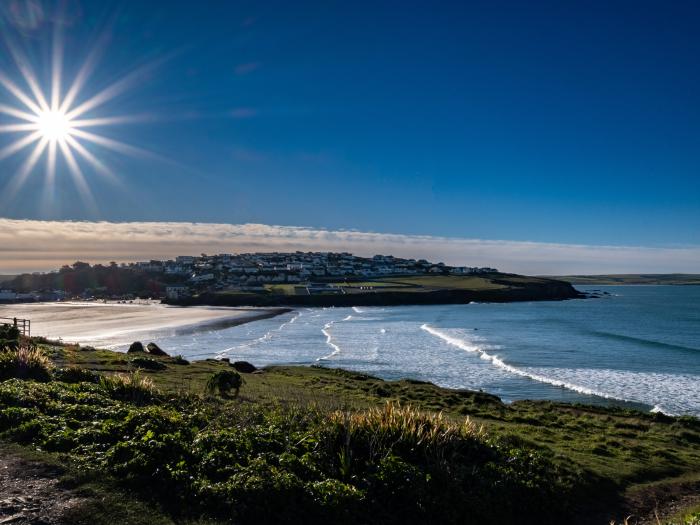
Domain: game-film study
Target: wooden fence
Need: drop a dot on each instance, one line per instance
(24, 325)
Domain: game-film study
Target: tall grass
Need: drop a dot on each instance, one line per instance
(24, 361)
(384, 430)
(130, 387)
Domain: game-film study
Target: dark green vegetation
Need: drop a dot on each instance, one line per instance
(633, 278)
(320, 445)
(98, 280)
(437, 289)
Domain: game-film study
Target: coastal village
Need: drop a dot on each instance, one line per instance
(304, 273)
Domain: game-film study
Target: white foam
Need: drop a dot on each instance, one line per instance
(259, 340)
(481, 350)
(329, 342)
(680, 392)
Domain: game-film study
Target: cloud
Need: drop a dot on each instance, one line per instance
(32, 245)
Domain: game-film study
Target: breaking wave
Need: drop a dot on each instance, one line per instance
(481, 350)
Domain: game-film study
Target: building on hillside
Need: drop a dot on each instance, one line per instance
(176, 292)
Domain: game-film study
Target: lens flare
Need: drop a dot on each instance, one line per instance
(52, 120)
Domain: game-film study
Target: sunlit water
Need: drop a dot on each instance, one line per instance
(641, 344)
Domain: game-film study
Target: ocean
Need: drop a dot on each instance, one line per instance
(639, 346)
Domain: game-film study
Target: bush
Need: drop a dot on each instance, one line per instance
(225, 381)
(76, 374)
(254, 463)
(9, 337)
(147, 363)
(179, 360)
(24, 362)
(128, 387)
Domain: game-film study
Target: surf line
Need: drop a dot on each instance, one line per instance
(463, 345)
(265, 337)
(329, 339)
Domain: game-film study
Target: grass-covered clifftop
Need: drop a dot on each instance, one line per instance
(316, 445)
(397, 290)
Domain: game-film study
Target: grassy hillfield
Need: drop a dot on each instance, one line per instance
(633, 278)
(396, 290)
(144, 438)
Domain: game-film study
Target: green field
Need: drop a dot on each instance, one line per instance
(450, 282)
(423, 283)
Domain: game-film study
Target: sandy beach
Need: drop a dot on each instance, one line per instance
(113, 325)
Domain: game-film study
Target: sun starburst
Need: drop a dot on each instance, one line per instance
(53, 123)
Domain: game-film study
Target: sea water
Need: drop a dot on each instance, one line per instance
(639, 345)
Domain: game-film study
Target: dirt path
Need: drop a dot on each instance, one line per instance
(30, 493)
(659, 504)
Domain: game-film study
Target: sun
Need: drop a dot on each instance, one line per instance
(54, 121)
(54, 126)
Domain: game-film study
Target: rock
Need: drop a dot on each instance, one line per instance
(154, 349)
(136, 346)
(244, 367)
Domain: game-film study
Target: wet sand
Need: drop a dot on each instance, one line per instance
(112, 325)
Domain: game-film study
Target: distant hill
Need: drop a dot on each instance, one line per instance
(633, 278)
(396, 290)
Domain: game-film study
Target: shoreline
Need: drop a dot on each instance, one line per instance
(114, 325)
(221, 324)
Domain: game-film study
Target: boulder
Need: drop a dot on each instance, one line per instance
(154, 349)
(244, 367)
(136, 346)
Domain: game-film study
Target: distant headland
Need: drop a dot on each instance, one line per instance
(633, 278)
(285, 279)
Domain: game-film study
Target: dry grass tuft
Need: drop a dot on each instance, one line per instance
(394, 424)
(131, 387)
(25, 361)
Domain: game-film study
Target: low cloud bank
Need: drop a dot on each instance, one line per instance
(32, 245)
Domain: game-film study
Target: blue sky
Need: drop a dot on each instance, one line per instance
(561, 122)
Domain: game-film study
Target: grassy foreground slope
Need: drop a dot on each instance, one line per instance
(633, 278)
(321, 445)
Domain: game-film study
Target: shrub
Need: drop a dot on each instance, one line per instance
(128, 387)
(9, 337)
(179, 360)
(24, 362)
(147, 363)
(76, 374)
(224, 381)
